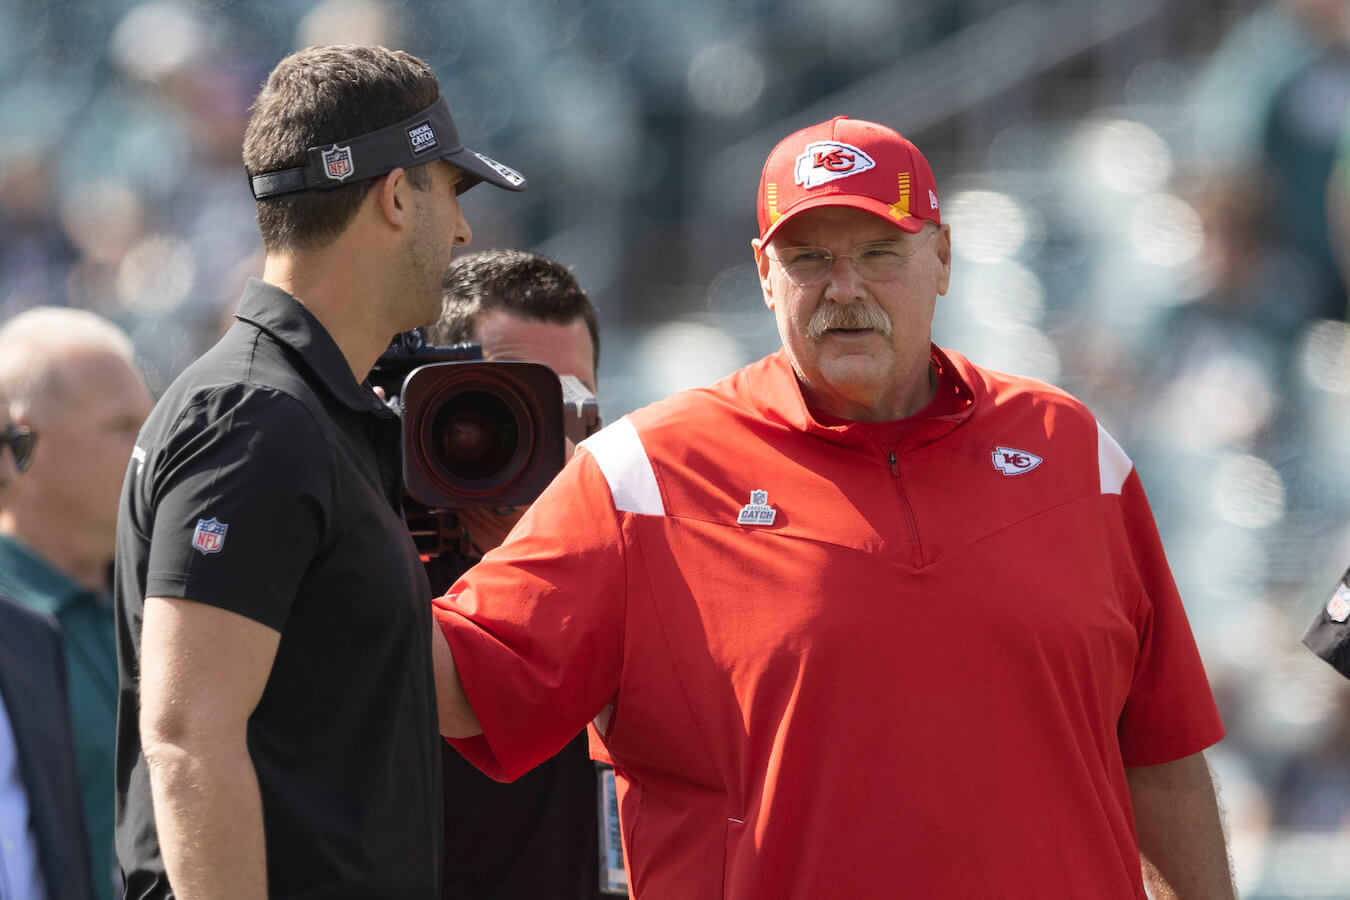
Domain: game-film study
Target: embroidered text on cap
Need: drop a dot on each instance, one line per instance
(422, 137)
(506, 172)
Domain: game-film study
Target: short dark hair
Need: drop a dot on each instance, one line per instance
(523, 283)
(321, 95)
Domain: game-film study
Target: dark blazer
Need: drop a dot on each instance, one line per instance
(33, 684)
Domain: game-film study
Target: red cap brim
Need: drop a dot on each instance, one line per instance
(908, 223)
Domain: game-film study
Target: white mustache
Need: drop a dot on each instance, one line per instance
(829, 316)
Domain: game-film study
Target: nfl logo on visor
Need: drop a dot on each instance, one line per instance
(337, 162)
(209, 536)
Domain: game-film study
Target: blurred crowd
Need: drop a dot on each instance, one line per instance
(1151, 209)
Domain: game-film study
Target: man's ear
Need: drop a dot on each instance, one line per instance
(762, 264)
(942, 246)
(393, 199)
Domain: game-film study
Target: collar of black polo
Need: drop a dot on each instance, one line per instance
(423, 136)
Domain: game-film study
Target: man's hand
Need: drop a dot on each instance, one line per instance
(1181, 838)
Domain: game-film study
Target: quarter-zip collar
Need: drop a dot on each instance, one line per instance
(782, 401)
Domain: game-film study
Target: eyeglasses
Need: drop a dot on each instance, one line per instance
(21, 442)
(875, 261)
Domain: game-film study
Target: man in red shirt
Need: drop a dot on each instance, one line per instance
(863, 619)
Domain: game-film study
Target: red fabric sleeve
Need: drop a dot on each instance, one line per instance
(536, 628)
(1170, 712)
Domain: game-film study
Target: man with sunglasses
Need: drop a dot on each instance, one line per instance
(44, 850)
(863, 619)
(71, 376)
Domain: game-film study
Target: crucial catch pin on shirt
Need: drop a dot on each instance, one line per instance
(757, 511)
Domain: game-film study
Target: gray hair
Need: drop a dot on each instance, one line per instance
(34, 346)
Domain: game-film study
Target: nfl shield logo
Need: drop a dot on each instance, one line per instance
(209, 536)
(337, 162)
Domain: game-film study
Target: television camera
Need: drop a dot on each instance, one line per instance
(476, 433)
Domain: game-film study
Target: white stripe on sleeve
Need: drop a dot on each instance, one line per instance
(1112, 463)
(619, 452)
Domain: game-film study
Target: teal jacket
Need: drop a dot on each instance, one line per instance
(86, 620)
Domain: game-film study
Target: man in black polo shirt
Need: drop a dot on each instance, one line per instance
(277, 716)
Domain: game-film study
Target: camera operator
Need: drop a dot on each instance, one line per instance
(536, 836)
(277, 733)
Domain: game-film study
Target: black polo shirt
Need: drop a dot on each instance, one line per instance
(267, 482)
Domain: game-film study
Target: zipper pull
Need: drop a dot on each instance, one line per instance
(895, 466)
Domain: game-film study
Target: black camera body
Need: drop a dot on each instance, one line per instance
(476, 432)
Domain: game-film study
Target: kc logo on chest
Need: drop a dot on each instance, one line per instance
(1011, 461)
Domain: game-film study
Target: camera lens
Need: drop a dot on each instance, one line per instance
(476, 435)
(481, 433)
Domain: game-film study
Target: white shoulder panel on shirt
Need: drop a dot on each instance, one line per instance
(622, 459)
(1112, 462)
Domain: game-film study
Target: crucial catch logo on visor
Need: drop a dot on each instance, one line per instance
(422, 137)
(825, 161)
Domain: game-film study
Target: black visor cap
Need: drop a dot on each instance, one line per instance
(422, 137)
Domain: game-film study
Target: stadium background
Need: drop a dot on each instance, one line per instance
(1139, 194)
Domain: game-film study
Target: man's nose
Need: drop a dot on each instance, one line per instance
(844, 284)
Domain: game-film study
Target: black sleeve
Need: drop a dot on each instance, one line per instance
(1329, 634)
(241, 490)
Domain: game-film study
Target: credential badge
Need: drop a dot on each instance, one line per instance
(757, 511)
(1338, 607)
(337, 162)
(209, 536)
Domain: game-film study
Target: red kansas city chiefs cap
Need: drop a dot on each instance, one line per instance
(847, 162)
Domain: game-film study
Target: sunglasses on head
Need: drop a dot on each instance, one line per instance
(21, 442)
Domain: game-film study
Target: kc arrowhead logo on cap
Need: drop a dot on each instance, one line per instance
(824, 161)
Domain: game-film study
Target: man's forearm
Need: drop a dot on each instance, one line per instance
(208, 813)
(1180, 826)
(457, 719)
